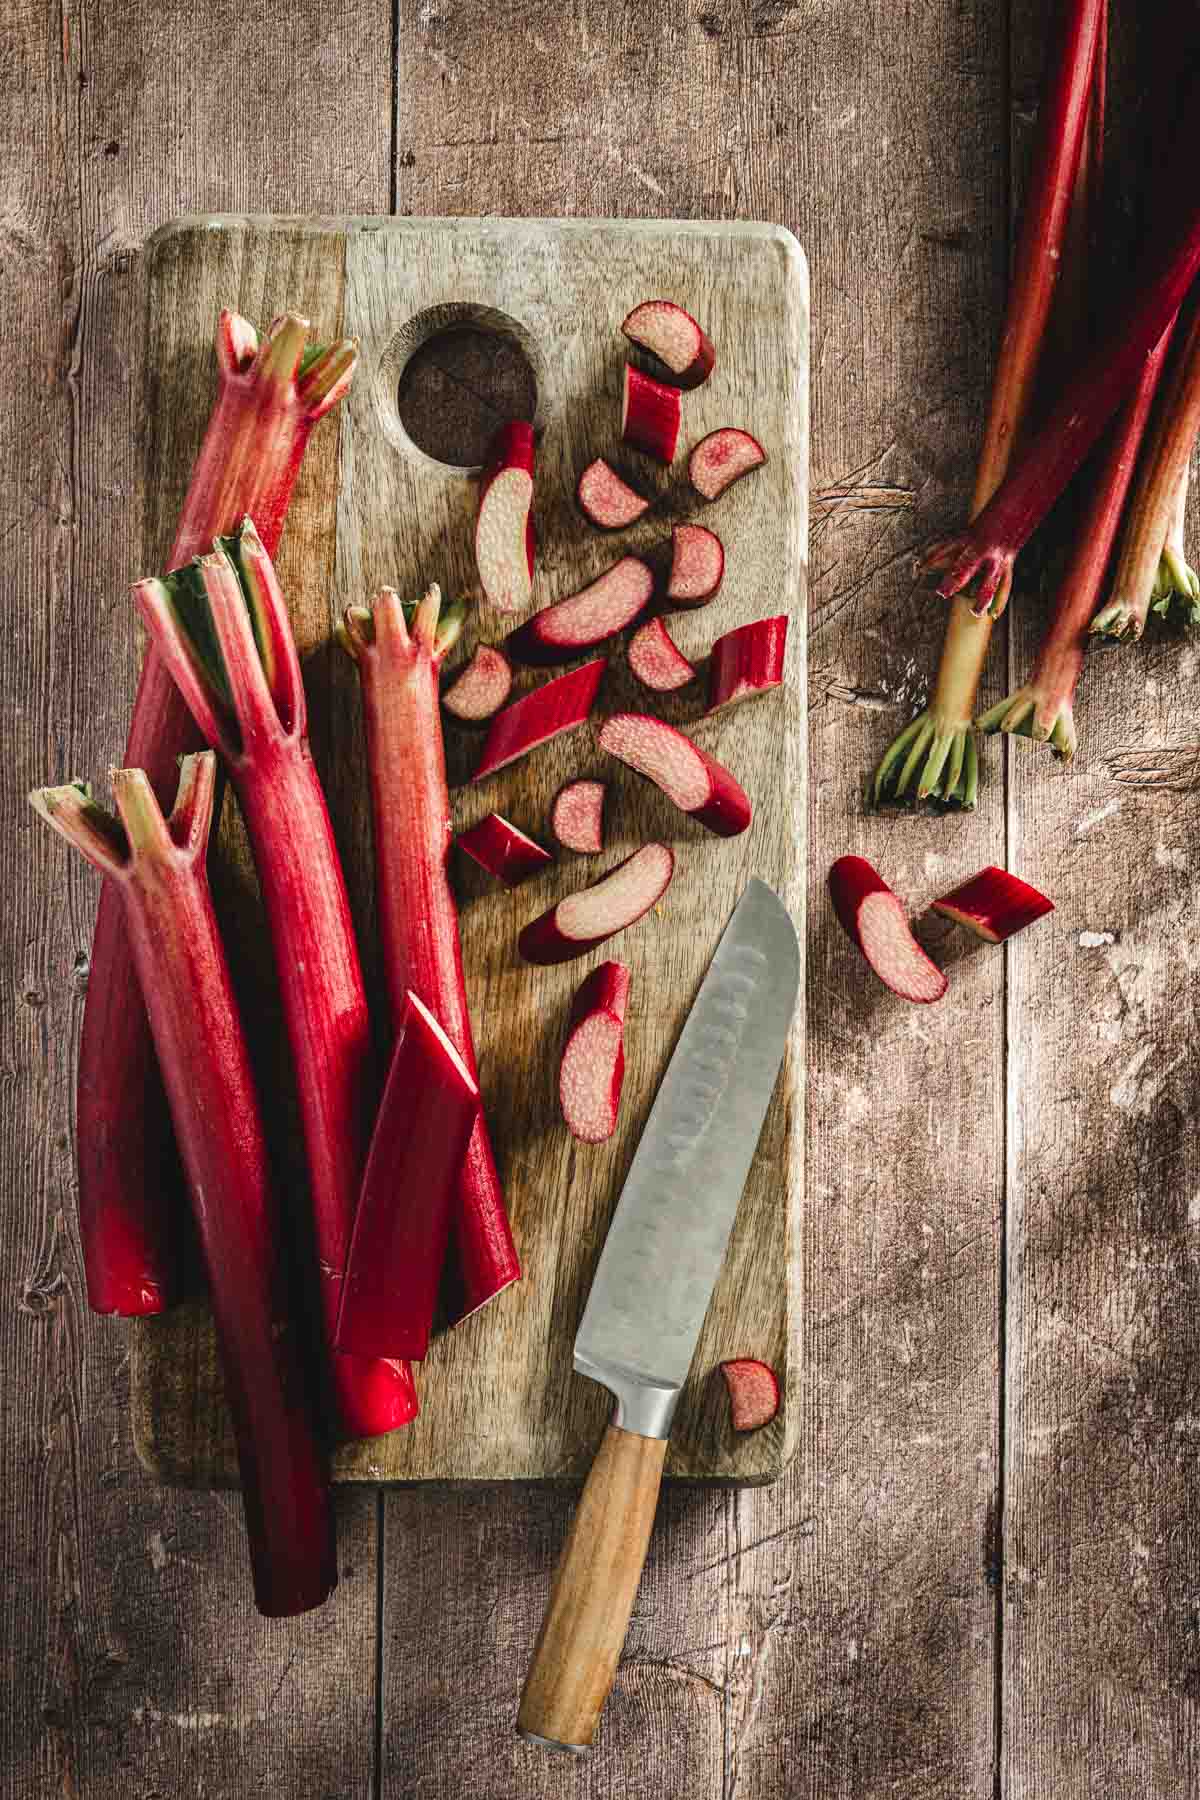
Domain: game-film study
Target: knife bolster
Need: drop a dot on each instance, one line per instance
(642, 1407)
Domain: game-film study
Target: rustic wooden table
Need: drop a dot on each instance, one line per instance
(983, 1572)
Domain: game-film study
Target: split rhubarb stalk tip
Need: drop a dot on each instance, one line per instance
(221, 627)
(156, 869)
(577, 818)
(399, 651)
(592, 1070)
(270, 394)
(875, 922)
(695, 781)
(587, 918)
(672, 337)
(586, 619)
(504, 537)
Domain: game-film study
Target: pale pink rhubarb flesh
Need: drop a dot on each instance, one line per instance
(248, 700)
(747, 662)
(697, 565)
(269, 397)
(695, 781)
(503, 850)
(994, 905)
(722, 458)
(585, 619)
(398, 666)
(504, 545)
(671, 335)
(650, 415)
(157, 871)
(753, 1392)
(657, 661)
(592, 1070)
(587, 918)
(481, 689)
(560, 705)
(607, 501)
(429, 1109)
(577, 817)
(874, 921)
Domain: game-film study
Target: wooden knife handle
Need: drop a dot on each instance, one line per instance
(575, 1657)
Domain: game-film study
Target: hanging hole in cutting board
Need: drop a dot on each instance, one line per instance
(460, 372)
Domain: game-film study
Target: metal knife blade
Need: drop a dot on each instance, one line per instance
(667, 1240)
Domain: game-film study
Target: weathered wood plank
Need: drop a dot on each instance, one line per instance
(126, 1612)
(1102, 1531)
(829, 1634)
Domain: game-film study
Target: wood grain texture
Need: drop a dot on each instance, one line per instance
(1102, 1528)
(593, 1593)
(135, 1664)
(403, 519)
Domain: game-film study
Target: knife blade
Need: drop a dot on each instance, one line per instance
(649, 1297)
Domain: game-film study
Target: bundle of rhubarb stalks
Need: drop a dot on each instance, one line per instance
(404, 1214)
(1119, 401)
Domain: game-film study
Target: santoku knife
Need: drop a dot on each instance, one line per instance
(651, 1291)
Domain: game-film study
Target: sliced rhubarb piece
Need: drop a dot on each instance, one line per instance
(504, 544)
(753, 1392)
(481, 688)
(747, 662)
(157, 870)
(402, 1227)
(697, 783)
(592, 1070)
(697, 565)
(222, 629)
(874, 921)
(657, 660)
(673, 338)
(503, 850)
(399, 651)
(650, 415)
(994, 905)
(605, 499)
(577, 819)
(560, 705)
(619, 899)
(270, 394)
(583, 620)
(722, 458)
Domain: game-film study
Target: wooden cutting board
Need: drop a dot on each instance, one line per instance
(499, 1399)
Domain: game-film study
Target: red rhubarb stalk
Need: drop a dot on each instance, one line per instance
(592, 1071)
(874, 921)
(650, 415)
(747, 663)
(583, 620)
(399, 651)
(672, 337)
(503, 850)
(269, 397)
(1146, 540)
(753, 1392)
(156, 869)
(504, 540)
(577, 817)
(697, 565)
(429, 1109)
(561, 705)
(935, 756)
(606, 500)
(222, 630)
(585, 919)
(1044, 709)
(722, 458)
(695, 781)
(482, 687)
(657, 661)
(994, 905)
